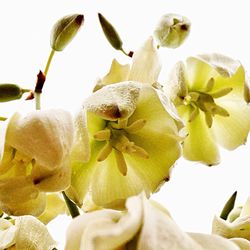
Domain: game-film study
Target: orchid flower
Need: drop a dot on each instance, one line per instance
(145, 225)
(209, 92)
(34, 159)
(236, 226)
(25, 232)
(132, 132)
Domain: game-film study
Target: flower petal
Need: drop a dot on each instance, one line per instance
(105, 229)
(80, 148)
(146, 64)
(199, 145)
(54, 206)
(238, 228)
(114, 101)
(232, 131)
(242, 243)
(7, 234)
(117, 73)
(32, 234)
(45, 136)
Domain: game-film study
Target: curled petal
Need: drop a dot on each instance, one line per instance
(105, 229)
(45, 136)
(146, 64)
(113, 102)
(7, 234)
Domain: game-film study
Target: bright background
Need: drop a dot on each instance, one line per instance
(195, 192)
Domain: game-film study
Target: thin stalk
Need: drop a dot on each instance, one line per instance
(74, 212)
(38, 95)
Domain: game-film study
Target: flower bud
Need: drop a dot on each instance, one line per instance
(10, 92)
(64, 30)
(110, 33)
(172, 30)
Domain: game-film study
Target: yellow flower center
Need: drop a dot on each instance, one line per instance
(116, 135)
(204, 101)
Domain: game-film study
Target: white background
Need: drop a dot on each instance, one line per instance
(195, 192)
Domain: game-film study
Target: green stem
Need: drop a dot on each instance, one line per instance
(38, 95)
(74, 212)
(52, 53)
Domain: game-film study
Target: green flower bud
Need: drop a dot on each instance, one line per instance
(110, 32)
(10, 92)
(172, 30)
(64, 30)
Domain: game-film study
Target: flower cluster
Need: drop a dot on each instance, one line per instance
(120, 147)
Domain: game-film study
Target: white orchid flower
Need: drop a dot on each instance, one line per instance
(145, 225)
(236, 226)
(34, 159)
(209, 92)
(25, 232)
(133, 133)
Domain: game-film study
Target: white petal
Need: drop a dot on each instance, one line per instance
(7, 234)
(146, 65)
(45, 136)
(105, 229)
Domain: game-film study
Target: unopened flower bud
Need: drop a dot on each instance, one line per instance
(10, 92)
(110, 32)
(64, 30)
(172, 30)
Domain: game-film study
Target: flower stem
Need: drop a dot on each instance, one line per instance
(38, 94)
(74, 212)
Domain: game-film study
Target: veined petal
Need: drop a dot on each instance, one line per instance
(105, 229)
(114, 101)
(45, 136)
(54, 206)
(32, 234)
(146, 64)
(232, 131)
(107, 176)
(199, 145)
(117, 73)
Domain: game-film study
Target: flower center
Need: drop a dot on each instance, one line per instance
(204, 101)
(116, 135)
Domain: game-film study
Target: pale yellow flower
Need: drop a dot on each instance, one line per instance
(133, 135)
(144, 225)
(236, 226)
(34, 159)
(208, 92)
(25, 232)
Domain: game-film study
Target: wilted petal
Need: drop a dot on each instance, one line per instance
(105, 229)
(232, 131)
(114, 101)
(45, 136)
(54, 206)
(199, 145)
(146, 64)
(32, 234)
